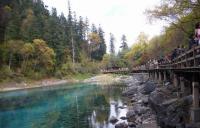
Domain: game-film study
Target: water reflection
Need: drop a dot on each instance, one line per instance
(75, 106)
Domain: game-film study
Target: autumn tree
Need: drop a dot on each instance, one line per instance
(44, 56)
(178, 13)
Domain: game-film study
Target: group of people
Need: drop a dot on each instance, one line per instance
(177, 51)
(167, 58)
(194, 41)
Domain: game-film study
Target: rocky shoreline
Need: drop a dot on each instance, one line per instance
(154, 105)
(140, 114)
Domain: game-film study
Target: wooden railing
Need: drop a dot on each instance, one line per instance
(188, 59)
(115, 70)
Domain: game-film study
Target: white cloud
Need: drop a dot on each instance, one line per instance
(115, 16)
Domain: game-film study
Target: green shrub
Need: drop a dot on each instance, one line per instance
(67, 69)
(37, 76)
(58, 74)
(5, 72)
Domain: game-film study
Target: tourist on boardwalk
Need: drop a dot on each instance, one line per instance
(192, 41)
(174, 54)
(182, 49)
(197, 33)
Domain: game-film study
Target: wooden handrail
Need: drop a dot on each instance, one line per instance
(187, 57)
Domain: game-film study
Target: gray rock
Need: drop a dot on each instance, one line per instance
(155, 99)
(133, 100)
(121, 125)
(145, 101)
(113, 120)
(121, 107)
(143, 110)
(123, 118)
(131, 124)
(130, 114)
(171, 112)
(131, 91)
(125, 103)
(148, 88)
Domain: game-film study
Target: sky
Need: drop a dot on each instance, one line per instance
(115, 16)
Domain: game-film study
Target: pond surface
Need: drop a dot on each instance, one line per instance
(64, 106)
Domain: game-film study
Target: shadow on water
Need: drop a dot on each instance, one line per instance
(66, 106)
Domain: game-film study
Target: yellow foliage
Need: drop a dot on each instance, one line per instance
(94, 38)
(45, 55)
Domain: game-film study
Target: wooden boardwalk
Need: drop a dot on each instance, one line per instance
(183, 72)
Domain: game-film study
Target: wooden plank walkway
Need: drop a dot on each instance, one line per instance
(188, 61)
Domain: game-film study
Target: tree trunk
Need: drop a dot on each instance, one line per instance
(10, 60)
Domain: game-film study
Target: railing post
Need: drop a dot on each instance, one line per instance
(194, 56)
(186, 60)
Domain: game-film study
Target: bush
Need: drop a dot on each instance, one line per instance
(67, 69)
(58, 74)
(36, 76)
(5, 72)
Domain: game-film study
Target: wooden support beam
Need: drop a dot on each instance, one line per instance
(165, 76)
(195, 110)
(160, 77)
(183, 88)
(195, 94)
(175, 80)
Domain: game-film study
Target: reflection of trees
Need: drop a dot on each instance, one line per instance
(101, 107)
(49, 122)
(56, 108)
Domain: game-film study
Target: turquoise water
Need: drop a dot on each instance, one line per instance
(64, 106)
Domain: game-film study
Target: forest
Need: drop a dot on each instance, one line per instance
(37, 43)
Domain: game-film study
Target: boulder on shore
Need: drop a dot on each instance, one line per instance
(170, 111)
(113, 120)
(121, 125)
(131, 91)
(147, 88)
(123, 118)
(131, 125)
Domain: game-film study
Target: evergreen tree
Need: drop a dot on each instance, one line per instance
(112, 46)
(67, 38)
(124, 45)
(102, 49)
(5, 10)
(94, 28)
(70, 26)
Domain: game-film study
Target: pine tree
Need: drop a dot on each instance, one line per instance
(112, 46)
(124, 45)
(102, 49)
(70, 25)
(94, 28)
